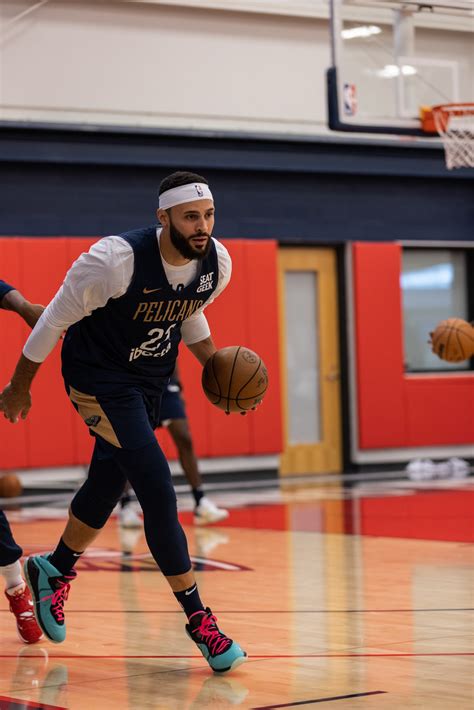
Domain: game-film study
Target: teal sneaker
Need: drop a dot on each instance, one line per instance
(49, 590)
(220, 652)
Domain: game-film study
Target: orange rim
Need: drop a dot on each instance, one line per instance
(443, 112)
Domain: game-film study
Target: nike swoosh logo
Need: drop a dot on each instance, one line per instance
(151, 290)
(190, 591)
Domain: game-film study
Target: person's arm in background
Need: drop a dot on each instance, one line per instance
(12, 300)
(175, 383)
(101, 273)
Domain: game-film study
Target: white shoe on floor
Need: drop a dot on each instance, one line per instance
(128, 538)
(207, 512)
(129, 518)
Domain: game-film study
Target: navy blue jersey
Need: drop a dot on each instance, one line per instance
(5, 288)
(133, 340)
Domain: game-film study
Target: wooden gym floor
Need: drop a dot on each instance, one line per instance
(357, 597)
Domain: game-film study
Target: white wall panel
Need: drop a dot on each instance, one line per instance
(158, 65)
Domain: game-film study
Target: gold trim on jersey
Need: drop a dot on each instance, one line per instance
(90, 410)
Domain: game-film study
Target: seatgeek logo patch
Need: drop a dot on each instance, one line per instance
(205, 282)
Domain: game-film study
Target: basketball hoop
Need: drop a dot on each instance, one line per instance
(455, 125)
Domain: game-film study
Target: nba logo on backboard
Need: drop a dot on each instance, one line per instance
(350, 100)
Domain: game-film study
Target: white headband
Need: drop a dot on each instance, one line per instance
(184, 193)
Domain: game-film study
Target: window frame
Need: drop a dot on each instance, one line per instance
(468, 249)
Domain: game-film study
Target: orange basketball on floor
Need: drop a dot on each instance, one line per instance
(10, 486)
(453, 340)
(235, 379)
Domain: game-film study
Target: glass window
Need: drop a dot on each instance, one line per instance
(434, 287)
(302, 348)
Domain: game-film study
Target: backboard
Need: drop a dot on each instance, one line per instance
(390, 58)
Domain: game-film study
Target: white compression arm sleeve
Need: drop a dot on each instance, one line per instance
(196, 328)
(104, 272)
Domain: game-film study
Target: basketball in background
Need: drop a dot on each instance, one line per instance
(10, 486)
(453, 340)
(235, 379)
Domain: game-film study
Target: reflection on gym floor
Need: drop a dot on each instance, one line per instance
(363, 595)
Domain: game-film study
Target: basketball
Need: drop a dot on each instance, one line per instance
(10, 486)
(235, 379)
(453, 340)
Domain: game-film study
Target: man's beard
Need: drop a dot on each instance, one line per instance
(185, 246)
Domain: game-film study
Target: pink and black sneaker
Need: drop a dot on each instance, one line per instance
(219, 650)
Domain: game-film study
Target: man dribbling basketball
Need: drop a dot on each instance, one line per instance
(126, 305)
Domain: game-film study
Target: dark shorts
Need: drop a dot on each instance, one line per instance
(172, 405)
(125, 417)
(10, 552)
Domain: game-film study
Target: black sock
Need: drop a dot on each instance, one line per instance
(63, 558)
(190, 601)
(125, 500)
(198, 493)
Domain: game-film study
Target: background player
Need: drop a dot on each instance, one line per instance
(16, 591)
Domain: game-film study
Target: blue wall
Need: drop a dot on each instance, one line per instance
(67, 181)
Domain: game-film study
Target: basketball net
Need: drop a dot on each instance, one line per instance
(455, 125)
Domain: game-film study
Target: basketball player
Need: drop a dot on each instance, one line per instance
(125, 305)
(173, 416)
(16, 591)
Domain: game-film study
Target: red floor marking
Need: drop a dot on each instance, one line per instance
(432, 515)
(13, 704)
(269, 655)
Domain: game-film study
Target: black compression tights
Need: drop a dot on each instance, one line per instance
(149, 474)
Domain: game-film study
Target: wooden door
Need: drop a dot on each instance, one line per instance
(310, 361)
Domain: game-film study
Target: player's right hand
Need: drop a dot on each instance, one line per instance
(15, 403)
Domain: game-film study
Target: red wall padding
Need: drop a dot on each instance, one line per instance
(246, 313)
(394, 409)
(378, 345)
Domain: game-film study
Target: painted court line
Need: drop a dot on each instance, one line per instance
(319, 700)
(262, 611)
(303, 655)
